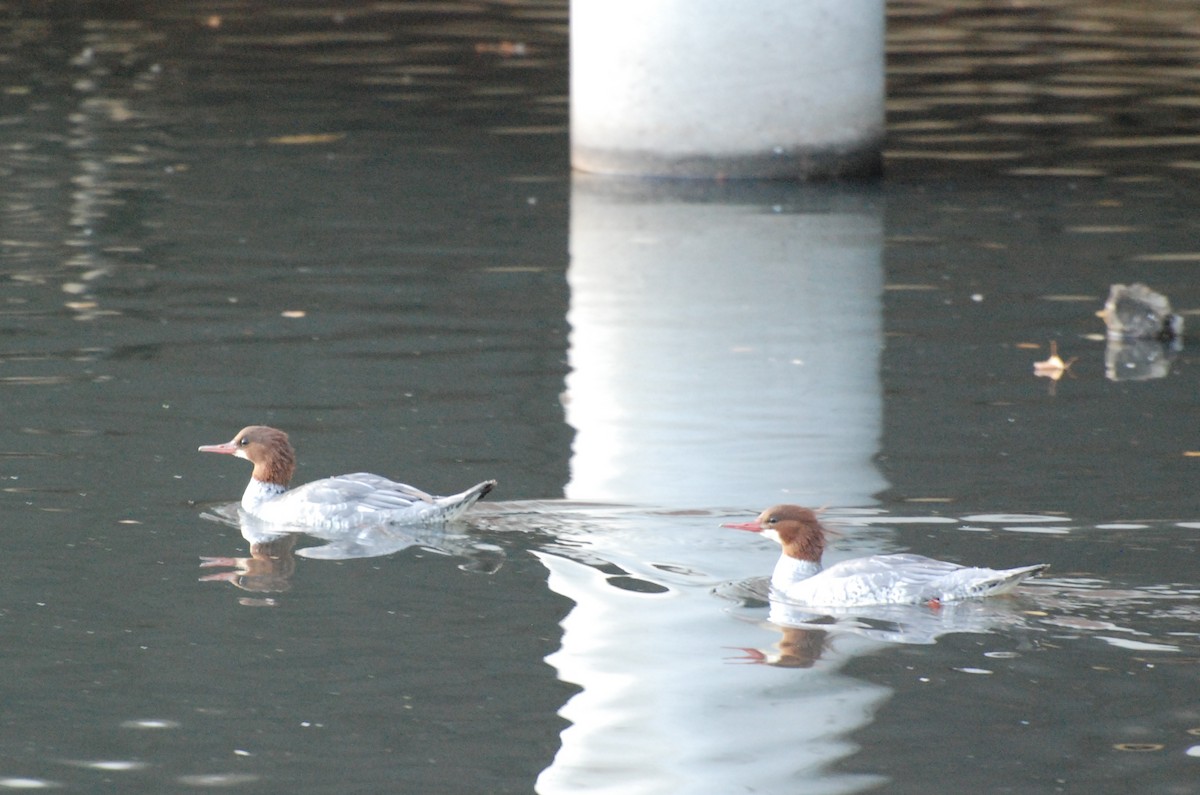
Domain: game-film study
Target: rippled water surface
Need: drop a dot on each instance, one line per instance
(359, 224)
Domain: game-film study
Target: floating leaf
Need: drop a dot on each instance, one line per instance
(1053, 367)
(306, 139)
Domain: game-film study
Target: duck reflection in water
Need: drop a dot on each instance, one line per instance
(797, 648)
(272, 561)
(808, 634)
(269, 568)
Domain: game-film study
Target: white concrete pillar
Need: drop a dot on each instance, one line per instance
(777, 89)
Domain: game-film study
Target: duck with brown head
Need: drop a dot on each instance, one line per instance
(874, 580)
(331, 503)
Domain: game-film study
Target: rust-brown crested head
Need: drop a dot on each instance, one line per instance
(266, 447)
(796, 529)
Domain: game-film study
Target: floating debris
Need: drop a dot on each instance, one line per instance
(1137, 360)
(27, 783)
(505, 49)
(112, 765)
(1135, 312)
(306, 139)
(1054, 367)
(150, 723)
(1143, 332)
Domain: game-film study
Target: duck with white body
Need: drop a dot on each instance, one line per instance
(800, 578)
(341, 502)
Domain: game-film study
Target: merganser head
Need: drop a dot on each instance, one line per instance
(796, 529)
(265, 447)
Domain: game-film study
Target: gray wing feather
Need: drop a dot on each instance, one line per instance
(363, 492)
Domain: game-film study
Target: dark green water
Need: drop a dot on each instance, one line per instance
(359, 224)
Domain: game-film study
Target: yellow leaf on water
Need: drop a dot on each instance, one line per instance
(306, 139)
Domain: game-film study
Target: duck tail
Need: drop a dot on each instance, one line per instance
(1006, 580)
(456, 505)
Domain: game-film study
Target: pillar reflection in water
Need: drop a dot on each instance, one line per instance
(725, 343)
(724, 352)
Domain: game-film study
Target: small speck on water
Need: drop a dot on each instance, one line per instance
(150, 723)
(26, 783)
(218, 779)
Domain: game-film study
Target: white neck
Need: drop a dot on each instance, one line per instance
(257, 492)
(789, 571)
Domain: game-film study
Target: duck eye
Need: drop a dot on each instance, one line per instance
(773, 520)
(244, 441)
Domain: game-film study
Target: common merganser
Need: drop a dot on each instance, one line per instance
(333, 503)
(873, 580)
